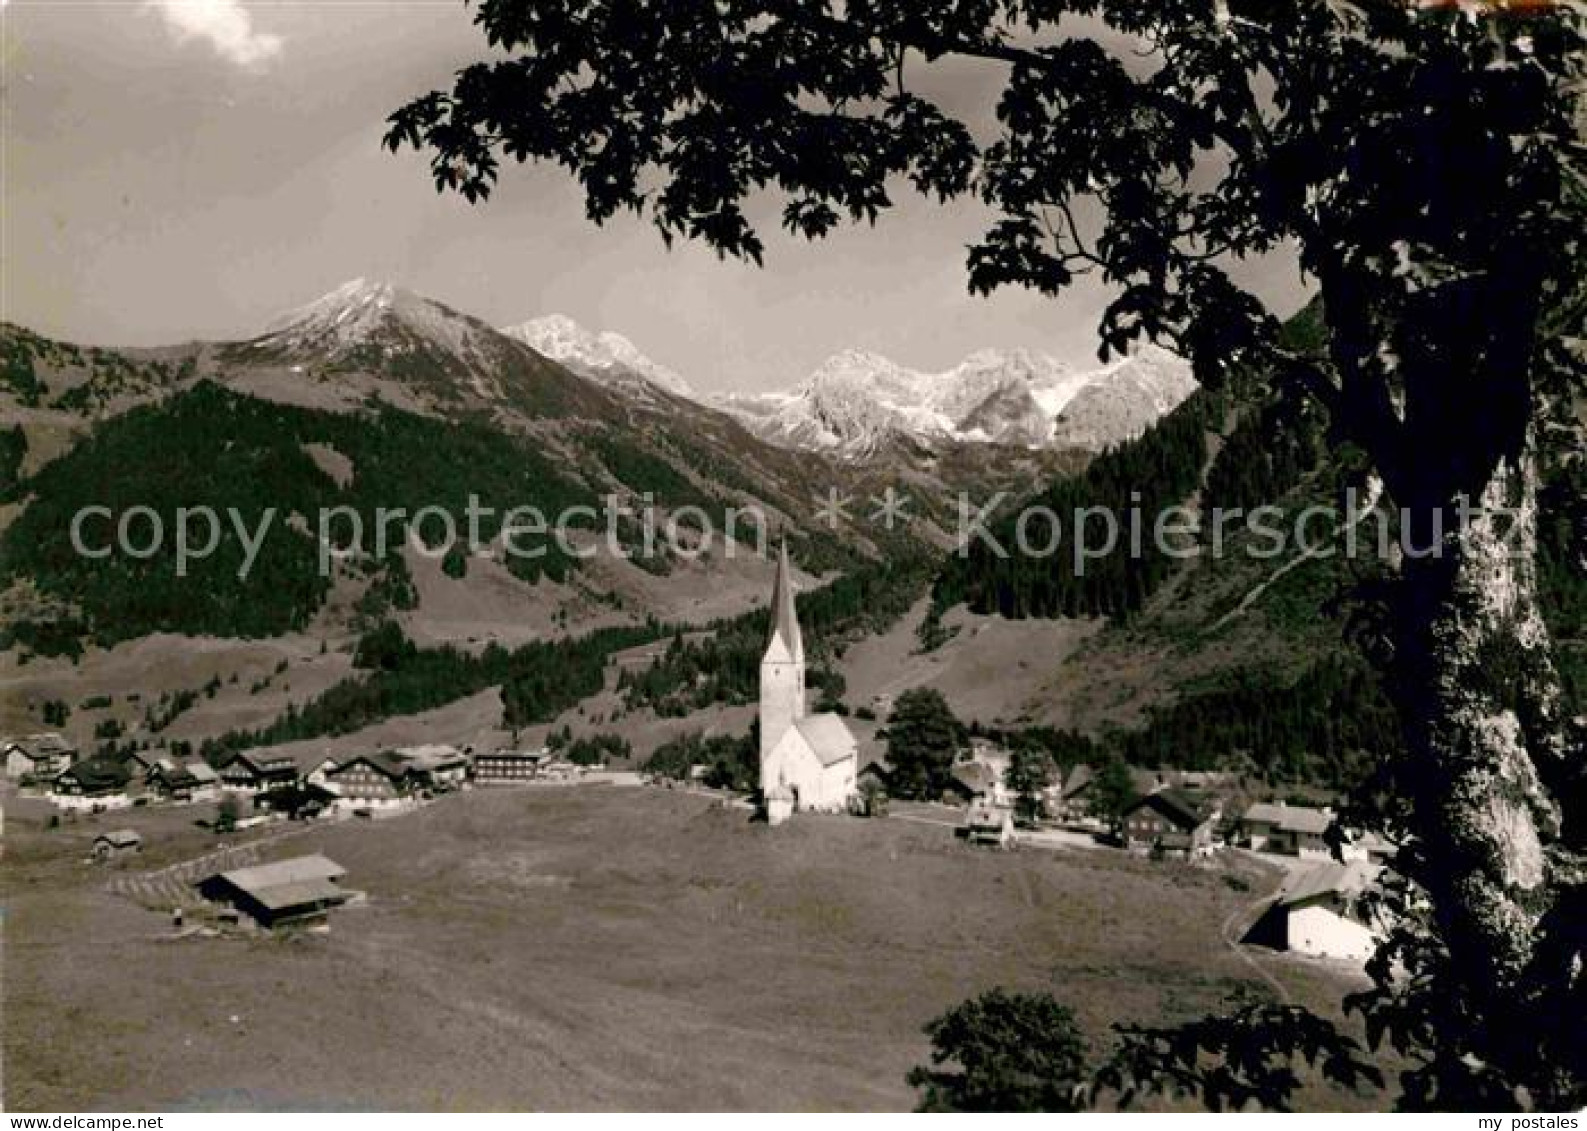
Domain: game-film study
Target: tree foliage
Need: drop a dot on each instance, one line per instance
(1003, 1051)
(923, 741)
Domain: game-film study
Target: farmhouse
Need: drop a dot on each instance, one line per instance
(436, 766)
(95, 783)
(182, 781)
(247, 772)
(116, 844)
(970, 782)
(40, 756)
(292, 892)
(813, 757)
(1293, 830)
(1165, 820)
(1319, 912)
(1072, 798)
(508, 767)
(299, 801)
(374, 779)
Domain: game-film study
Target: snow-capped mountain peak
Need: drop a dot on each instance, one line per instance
(857, 401)
(371, 325)
(361, 311)
(606, 356)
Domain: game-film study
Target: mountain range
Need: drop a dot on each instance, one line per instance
(858, 403)
(373, 397)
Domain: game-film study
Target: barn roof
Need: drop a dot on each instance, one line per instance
(297, 870)
(829, 737)
(278, 897)
(1328, 878)
(120, 838)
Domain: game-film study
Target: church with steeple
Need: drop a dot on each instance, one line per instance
(807, 761)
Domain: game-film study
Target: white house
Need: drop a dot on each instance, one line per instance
(39, 755)
(807, 762)
(1319, 912)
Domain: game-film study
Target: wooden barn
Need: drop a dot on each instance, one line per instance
(296, 892)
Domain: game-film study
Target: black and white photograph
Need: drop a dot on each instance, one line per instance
(793, 556)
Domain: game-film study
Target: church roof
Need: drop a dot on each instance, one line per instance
(784, 618)
(829, 737)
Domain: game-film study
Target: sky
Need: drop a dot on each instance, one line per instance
(176, 170)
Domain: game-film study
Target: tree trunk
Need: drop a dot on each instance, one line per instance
(1492, 779)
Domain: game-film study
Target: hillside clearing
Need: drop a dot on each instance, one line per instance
(596, 947)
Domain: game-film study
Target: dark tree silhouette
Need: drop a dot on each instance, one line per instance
(1113, 791)
(1003, 1052)
(923, 740)
(1424, 159)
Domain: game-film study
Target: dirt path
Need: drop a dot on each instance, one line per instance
(1242, 917)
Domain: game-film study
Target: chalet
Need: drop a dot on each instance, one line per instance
(374, 779)
(985, 823)
(1166, 820)
(1322, 912)
(182, 781)
(508, 767)
(39, 756)
(438, 767)
(116, 844)
(970, 782)
(300, 801)
(294, 892)
(95, 783)
(1069, 798)
(1291, 830)
(249, 772)
(1073, 800)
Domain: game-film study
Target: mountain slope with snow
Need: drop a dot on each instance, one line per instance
(431, 351)
(858, 402)
(605, 356)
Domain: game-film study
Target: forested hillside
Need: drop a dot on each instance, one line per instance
(244, 457)
(1159, 470)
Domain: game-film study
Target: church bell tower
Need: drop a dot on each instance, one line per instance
(782, 670)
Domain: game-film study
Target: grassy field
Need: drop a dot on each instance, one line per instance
(591, 947)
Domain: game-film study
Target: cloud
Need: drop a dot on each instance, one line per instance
(225, 24)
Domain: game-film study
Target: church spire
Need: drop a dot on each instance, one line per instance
(784, 618)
